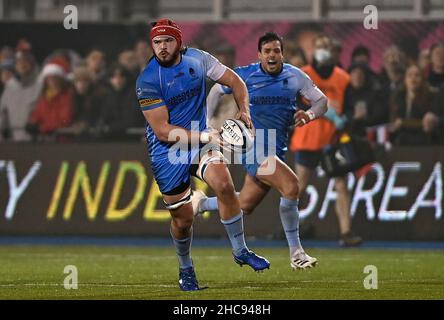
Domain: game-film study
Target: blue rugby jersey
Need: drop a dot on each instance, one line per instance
(181, 88)
(274, 99)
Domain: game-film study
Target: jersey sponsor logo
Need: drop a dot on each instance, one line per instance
(261, 100)
(149, 102)
(174, 101)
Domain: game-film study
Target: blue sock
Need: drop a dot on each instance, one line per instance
(235, 231)
(210, 204)
(288, 211)
(183, 247)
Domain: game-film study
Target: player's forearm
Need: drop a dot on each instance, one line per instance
(240, 94)
(319, 107)
(173, 134)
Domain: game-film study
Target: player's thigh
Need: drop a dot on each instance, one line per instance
(252, 193)
(219, 179)
(282, 178)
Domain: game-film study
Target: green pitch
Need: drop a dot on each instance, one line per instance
(37, 272)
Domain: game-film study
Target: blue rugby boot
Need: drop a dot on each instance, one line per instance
(188, 280)
(246, 256)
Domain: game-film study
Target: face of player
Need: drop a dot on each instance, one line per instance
(271, 57)
(166, 50)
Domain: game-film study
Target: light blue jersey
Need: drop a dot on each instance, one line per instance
(181, 88)
(273, 102)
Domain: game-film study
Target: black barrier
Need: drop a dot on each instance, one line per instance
(108, 189)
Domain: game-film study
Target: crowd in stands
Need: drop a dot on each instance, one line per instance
(69, 98)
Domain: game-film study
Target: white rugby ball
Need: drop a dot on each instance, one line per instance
(238, 136)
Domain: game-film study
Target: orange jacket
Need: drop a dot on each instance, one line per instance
(315, 135)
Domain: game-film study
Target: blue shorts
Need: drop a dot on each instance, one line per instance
(173, 173)
(309, 159)
(253, 159)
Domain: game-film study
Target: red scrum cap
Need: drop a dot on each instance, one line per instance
(166, 27)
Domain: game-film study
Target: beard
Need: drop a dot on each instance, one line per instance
(169, 60)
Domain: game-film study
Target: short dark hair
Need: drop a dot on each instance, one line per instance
(269, 37)
(360, 50)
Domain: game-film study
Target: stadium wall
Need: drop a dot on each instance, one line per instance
(242, 36)
(108, 189)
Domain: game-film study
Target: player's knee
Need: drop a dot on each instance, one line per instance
(224, 189)
(291, 190)
(247, 208)
(183, 224)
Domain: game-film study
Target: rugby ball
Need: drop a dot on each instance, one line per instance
(237, 135)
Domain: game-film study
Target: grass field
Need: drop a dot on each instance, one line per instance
(36, 272)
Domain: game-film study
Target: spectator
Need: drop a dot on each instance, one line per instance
(436, 75)
(295, 56)
(409, 106)
(96, 64)
(120, 107)
(392, 75)
(127, 59)
(364, 104)
(361, 54)
(54, 107)
(19, 98)
(336, 50)
(86, 103)
(433, 121)
(143, 53)
(309, 140)
(424, 61)
(7, 71)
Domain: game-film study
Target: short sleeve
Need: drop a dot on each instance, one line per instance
(213, 68)
(148, 95)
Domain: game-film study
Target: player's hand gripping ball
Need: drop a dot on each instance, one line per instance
(236, 134)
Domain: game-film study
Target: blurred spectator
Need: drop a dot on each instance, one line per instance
(86, 103)
(6, 53)
(436, 75)
(392, 75)
(119, 106)
(96, 64)
(364, 104)
(336, 50)
(309, 141)
(409, 106)
(433, 121)
(66, 57)
(361, 54)
(19, 98)
(143, 53)
(424, 61)
(225, 54)
(7, 71)
(295, 56)
(54, 107)
(127, 59)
